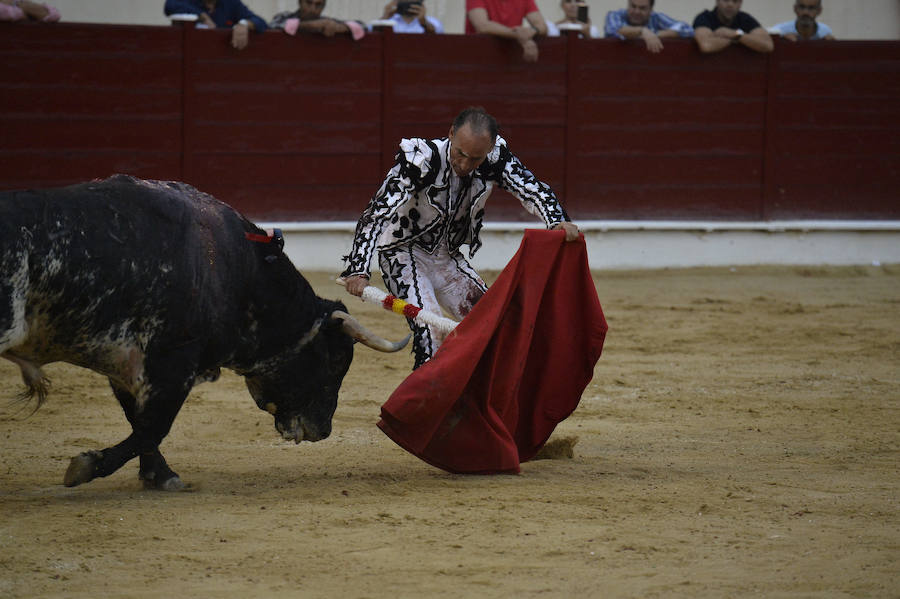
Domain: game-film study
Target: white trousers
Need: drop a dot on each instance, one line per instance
(442, 280)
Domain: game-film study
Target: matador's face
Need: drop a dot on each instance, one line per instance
(468, 149)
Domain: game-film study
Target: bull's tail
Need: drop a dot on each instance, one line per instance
(37, 384)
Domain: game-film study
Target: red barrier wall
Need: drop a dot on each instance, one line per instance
(833, 144)
(304, 128)
(84, 101)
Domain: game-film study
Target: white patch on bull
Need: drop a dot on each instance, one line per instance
(95, 303)
(18, 280)
(127, 356)
(118, 352)
(53, 265)
(120, 355)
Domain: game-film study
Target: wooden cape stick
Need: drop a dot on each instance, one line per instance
(374, 295)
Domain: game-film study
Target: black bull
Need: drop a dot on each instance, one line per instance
(156, 286)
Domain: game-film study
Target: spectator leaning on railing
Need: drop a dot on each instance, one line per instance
(410, 16)
(308, 19)
(570, 10)
(640, 21)
(805, 27)
(220, 13)
(26, 10)
(727, 25)
(504, 18)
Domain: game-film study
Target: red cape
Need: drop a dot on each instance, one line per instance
(512, 370)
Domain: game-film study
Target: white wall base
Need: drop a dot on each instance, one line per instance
(645, 244)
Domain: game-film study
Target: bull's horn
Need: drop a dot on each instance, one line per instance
(355, 329)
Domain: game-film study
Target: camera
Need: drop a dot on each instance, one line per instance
(403, 7)
(583, 13)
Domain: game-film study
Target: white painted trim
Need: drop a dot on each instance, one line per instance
(647, 244)
(639, 225)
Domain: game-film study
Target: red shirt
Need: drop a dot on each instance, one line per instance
(506, 12)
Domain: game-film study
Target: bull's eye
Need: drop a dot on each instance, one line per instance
(271, 408)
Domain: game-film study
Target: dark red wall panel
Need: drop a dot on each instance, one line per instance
(834, 130)
(680, 133)
(85, 101)
(287, 129)
(304, 128)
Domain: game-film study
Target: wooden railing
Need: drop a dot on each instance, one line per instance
(304, 128)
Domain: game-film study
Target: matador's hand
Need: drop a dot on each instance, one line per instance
(571, 230)
(356, 284)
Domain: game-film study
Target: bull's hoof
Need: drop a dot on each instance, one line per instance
(170, 484)
(210, 376)
(81, 468)
(173, 483)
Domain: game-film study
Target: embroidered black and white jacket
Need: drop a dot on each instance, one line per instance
(422, 199)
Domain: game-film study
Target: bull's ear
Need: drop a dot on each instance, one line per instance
(356, 330)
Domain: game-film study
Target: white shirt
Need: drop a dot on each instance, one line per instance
(553, 30)
(401, 26)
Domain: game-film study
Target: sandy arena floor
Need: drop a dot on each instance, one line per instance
(741, 438)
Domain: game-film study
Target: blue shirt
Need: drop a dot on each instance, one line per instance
(226, 13)
(791, 27)
(616, 19)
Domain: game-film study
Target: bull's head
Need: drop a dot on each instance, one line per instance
(301, 389)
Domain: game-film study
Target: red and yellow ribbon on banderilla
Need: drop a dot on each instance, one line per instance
(398, 306)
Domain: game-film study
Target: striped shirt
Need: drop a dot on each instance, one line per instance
(616, 19)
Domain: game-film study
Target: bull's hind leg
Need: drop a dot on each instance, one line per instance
(13, 286)
(149, 426)
(13, 328)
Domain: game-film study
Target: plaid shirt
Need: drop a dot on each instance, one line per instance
(616, 19)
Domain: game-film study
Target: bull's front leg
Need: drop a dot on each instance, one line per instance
(93, 464)
(150, 425)
(155, 473)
